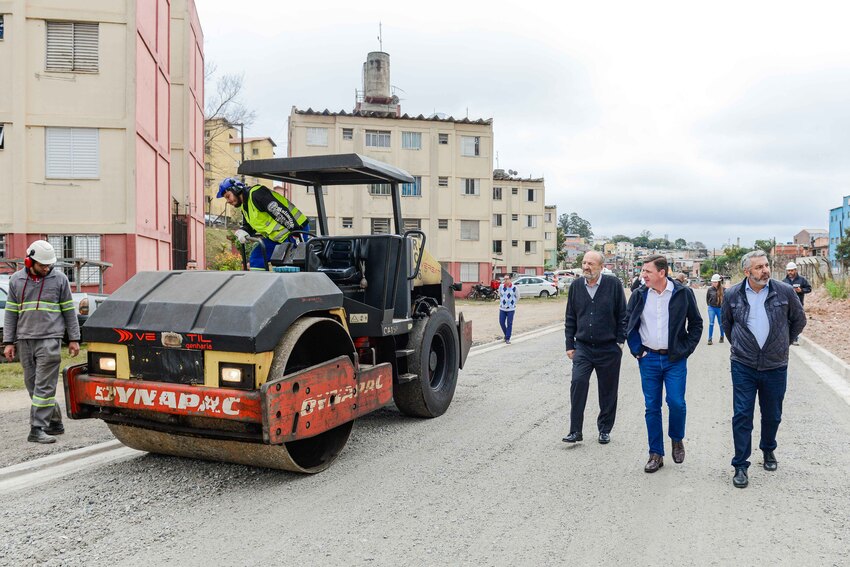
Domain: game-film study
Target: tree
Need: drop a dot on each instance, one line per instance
(620, 238)
(766, 245)
(559, 246)
(680, 243)
(842, 250)
(574, 224)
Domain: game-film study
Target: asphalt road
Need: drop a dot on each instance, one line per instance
(489, 483)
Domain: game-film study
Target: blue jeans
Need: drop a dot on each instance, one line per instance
(769, 385)
(658, 373)
(256, 260)
(506, 321)
(714, 313)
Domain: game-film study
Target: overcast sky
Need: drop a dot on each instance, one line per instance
(727, 121)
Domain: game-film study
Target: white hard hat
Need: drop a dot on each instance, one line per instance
(42, 252)
(791, 266)
(715, 278)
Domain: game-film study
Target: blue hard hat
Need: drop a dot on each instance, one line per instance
(230, 184)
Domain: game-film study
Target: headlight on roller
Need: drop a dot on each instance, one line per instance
(231, 375)
(102, 363)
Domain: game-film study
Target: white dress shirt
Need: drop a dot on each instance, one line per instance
(757, 321)
(655, 318)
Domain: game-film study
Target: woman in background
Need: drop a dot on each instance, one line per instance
(714, 298)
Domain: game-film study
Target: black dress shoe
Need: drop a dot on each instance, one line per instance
(770, 463)
(604, 438)
(573, 437)
(740, 480)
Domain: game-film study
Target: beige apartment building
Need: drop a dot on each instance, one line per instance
(475, 223)
(101, 124)
(223, 149)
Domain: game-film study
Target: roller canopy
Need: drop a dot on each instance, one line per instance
(232, 311)
(340, 169)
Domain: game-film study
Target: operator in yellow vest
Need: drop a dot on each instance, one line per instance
(266, 214)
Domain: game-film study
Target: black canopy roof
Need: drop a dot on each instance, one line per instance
(339, 169)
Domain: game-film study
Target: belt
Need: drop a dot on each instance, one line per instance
(652, 350)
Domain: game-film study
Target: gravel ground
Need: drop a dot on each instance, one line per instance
(488, 483)
(829, 323)
(532, 314)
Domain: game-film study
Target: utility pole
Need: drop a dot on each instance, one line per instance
(242, 144)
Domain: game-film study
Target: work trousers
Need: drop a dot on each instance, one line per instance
(769, 386)
(40, 359)
(506, 321)
(714, 313)
(605, 360)
(657, 373)
(256, 261)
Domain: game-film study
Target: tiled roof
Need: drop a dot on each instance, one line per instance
(374, 114)
(249, 140)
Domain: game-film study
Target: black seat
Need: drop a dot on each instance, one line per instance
(340, 261)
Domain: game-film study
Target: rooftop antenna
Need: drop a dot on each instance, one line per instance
(380, 37)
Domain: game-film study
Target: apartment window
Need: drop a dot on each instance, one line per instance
(547, 217)
(497, 247)
(514, 191)
(471, 186)
(237, 149)
(377, 139)
(497, 193)
(348, 133)
(469, 230)
(469, 272)
(411, 140)
(497, 220)
(514, 218)
(380, 226)
(547, 236)
(530, 247)
(2, 136)
(2, 238)
(255, 151)
(78, 246)
(313, 222)
(411, 224)
(470, 145)
(72, 47)
(531, 221)
(514, 244)
(1, 26)
(206, 134)
(529, 195)
(443, 224)
(412, 189)
(347, 222)
(443, 139)
(208, 166)
(379, 189)
(443, 181)
(317, 136)
(311, 190)
(207, 149)
(72, 153)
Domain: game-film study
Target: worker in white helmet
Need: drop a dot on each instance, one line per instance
(801, 287)
(39, 310)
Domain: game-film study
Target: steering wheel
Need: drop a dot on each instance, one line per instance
(302, 232)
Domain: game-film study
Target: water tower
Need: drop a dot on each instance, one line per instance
(376, 95)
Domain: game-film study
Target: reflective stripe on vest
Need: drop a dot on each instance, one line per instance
(265, 224)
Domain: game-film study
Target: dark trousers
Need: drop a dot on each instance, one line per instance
(506, 321)
(605, 359)
(40, 359)
(770, 386)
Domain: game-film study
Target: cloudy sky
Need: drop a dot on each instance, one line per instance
(711, 121)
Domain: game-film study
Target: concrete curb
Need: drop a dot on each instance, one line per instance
(835, 363)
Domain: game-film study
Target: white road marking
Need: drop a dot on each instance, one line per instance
(481, 349)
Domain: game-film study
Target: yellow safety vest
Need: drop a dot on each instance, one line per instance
(265, 224)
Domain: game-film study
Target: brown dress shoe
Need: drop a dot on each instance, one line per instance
(678, 452)
(654, 463)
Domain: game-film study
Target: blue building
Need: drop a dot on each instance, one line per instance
(839, 221)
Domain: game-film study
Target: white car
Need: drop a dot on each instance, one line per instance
(534, 286)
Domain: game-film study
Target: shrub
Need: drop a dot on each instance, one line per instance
(836, 290)
(227, 261)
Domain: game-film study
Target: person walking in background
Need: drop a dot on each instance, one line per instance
(682, 278)
(636, 283)
(801, 288)
(760, 316)
(508, 298)
(39, 310)
(714, 298)
(664, 327)
(595, 329)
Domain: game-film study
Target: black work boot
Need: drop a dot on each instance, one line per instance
(37, 435)
(55, 428)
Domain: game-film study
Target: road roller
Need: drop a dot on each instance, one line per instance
(272, 368)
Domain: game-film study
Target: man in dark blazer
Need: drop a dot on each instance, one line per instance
(595, 329)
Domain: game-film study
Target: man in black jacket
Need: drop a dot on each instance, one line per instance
(664, 327)
(801, 287)
(760, 316)
(595, 329)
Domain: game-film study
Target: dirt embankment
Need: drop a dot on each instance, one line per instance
(829, 323)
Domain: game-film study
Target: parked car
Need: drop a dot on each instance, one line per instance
(535, 286)
(86, 303)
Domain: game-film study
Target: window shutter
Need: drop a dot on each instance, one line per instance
(72, 153)
(86, 162)
(60, 46)
(85, 47)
